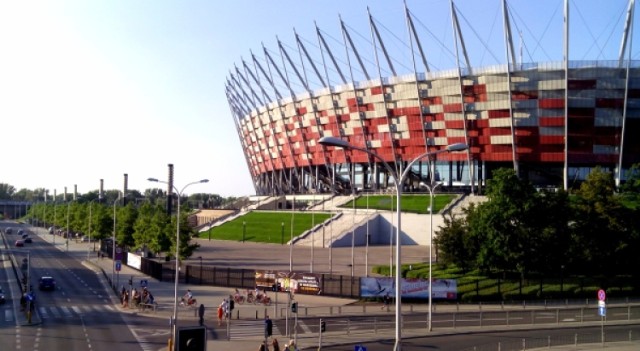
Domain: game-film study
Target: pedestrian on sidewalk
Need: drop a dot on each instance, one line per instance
(201, 314)
(268, 327)
(275, 345)
(220, 314)
(386, 300)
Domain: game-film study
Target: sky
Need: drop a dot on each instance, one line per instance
(97, 89)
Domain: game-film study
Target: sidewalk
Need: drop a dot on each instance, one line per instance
(211, 296)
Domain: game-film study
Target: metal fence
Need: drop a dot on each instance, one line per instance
(330, 284)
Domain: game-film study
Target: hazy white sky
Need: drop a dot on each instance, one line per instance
(91, 90)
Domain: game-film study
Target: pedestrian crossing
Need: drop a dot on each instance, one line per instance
(243, 329)
(48, 312)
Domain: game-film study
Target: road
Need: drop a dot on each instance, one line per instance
(79, 315)
(504, 341)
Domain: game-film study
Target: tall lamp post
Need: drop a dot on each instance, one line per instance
(113, 243)
(174, 321)
(431, 189)
(398, 182)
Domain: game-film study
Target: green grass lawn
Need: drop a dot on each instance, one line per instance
(410, 203)
(266, 227)
(478, 286)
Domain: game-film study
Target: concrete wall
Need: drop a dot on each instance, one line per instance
(415, 230)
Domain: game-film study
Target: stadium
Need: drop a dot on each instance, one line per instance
(550, 121)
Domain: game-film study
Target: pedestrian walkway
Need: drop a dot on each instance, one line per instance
(247, 323)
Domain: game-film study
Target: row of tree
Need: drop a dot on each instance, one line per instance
(594, 231)
(199, 200)
(143, 226)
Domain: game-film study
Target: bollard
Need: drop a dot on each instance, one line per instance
(256, 314)
(169, 345)
(238, 314)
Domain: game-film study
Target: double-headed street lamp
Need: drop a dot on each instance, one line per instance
(431, 189)
(175, 287)
(398, 182)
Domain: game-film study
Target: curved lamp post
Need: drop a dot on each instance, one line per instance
(398, 182)
(174, 321)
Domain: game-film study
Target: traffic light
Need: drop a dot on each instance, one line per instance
(323, 326)
(294, 307)
(192, 339)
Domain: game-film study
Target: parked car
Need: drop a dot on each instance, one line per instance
(8, 230)
(2, 299)
(86, 239)
(24, 236)
(19, 243)
(28, 240)
(20, 231)
(47, 283)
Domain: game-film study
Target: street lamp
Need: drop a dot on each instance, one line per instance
(398, 182)
(431, 189)
(67, 233)
(113, 243)
(174, 322)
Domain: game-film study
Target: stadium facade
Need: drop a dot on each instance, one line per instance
(549, 121)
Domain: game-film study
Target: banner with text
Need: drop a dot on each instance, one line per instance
(411, 288)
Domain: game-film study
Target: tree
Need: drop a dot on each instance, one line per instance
(453, 244)
(126, 218)
(6, 191)
(501, 225)
(604, 229)
(186, 232)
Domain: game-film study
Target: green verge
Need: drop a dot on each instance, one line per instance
(266, 227)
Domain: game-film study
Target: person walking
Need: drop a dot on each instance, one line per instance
(220, 314)
(268, 327)
(275, 345)
(201, 314)
(386, 300)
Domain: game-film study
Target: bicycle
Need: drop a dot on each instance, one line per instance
(239, 299)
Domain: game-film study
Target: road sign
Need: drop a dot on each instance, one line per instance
(360, 348)
(118, 266)
(601, 295)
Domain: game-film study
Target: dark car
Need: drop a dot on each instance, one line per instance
(2, 299)
(8, 230)
(47, 283)
(28, 240)
(20, 231)
(24, 236)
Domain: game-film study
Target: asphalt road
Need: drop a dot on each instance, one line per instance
(78, 315)
(503, 341)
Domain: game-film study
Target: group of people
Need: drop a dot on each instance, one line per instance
(252, 296)
(145, 297)
(275, 346)
(188, 299)
(224, 310)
